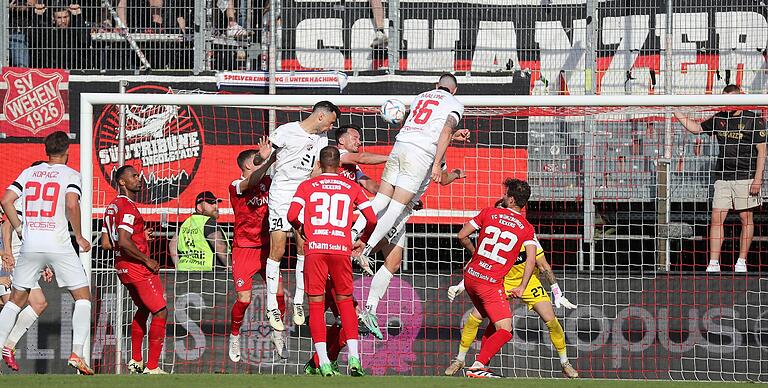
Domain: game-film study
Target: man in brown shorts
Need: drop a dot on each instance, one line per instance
(738, 173)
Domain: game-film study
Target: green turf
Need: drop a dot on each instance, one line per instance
(269, 381)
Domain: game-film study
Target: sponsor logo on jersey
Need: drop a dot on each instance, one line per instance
(163, 142)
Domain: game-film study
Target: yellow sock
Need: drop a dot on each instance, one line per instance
(558, 338)
(468, 334)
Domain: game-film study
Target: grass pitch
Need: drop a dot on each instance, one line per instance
(270, 381)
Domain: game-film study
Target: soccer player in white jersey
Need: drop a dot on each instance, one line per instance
(297, 146)
(51, 195)
(11, 248)
(417, 155)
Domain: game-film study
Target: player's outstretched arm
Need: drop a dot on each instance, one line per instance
(546, 272)
(268, 155)
(442, 146)
(72, 210)
(363, 158)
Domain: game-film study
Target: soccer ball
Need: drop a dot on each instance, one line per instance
(393, 111)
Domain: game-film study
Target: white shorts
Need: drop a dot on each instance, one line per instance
(408, 167)
(16, 254)
(67, 267)
(279, 202)
(735, 195)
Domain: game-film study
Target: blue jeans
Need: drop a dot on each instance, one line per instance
(17, 45)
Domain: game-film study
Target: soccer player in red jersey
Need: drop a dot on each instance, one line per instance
(328, 201)
(137, 271)
(503, 231)
(249, 196)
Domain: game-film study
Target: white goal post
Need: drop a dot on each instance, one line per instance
(663, 105)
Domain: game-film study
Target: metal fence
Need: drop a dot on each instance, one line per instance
(569, 46)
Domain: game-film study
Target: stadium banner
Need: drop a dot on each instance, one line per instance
(712, 47)
(35, 102)
(649, 328)
(284, 79)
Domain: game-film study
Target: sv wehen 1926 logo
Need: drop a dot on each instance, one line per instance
(33, 102)
(163, 142)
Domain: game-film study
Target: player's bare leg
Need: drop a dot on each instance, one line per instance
(496, 335)
(80, 329)
(716, 239)
(745, 239)
(468, 334)
(557, 335)
(26, 318)
(277, 240)
(299, 317)
(400, 200)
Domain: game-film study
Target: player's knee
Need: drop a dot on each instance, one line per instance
(244, 297)
(162, 314)
(38, 305)
(504, 324)
(340, 298)
(316, 298)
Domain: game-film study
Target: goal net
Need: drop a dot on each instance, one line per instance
(621, 203)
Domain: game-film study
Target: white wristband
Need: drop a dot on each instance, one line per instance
(556, 292)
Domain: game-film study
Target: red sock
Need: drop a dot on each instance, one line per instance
(156, 338)
(281, 303)
(317, 321)
(348, 318)
(238, 312)
(492, 345)
(138, 330)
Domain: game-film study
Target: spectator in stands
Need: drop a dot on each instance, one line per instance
(19, 15)
(381, 40)
(143, 18)
(200, 238)
(61, 38)
(737, 175)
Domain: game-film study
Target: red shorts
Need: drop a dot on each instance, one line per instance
(247, 262)
(317, 267)
(489, 299)
(148, 293)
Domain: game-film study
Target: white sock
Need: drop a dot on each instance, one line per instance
(477, 364)
(8, 319)
(740, 260)
(461, 356)
(563, 357)
(322, 353)
(386, 222)
(352, 348)
(379, 286)
(80, 325)
(714, 261)
(298, 296)
(25, 319)
(273, 277)
(378, 204)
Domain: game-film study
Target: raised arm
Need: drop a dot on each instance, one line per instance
(689, 124)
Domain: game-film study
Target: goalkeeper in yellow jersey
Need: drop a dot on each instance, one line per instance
(535, 297)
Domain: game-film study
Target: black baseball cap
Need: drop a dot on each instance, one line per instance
(207, 196)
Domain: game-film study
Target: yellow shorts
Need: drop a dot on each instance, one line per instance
(533, 294)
